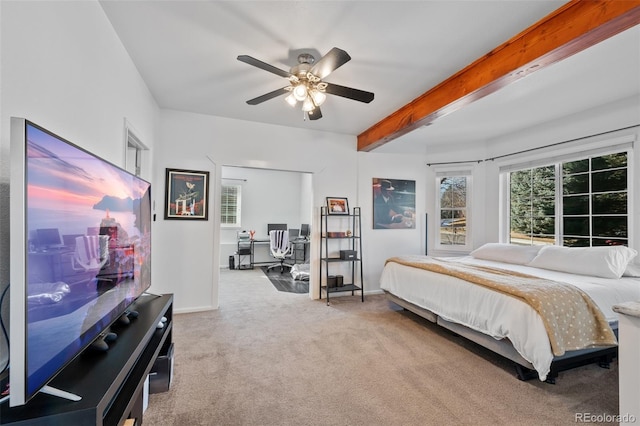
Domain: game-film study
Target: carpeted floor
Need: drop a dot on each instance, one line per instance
(273, 358)
(283, 281)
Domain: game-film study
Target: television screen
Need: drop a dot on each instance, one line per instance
(80, 253)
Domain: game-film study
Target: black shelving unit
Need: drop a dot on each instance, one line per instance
(340, 232)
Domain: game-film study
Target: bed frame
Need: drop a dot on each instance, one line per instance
(504, 348)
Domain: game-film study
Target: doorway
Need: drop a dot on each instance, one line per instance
(256, 198)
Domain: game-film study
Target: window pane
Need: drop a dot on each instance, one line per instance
(453, 192)
(539, 239)
(576, 226)
(543, 226)
(574, 205)
(609, 161)
(575, 184)
(575, 167)
(576, 242)
(609, 226)
(543, 206)
(609, 180)
(520, 184)
(610, 242)
(610, 203)
(446, 217)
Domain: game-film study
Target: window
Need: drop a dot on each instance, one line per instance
(577, 203)
(453, 208)
(230, 206)
(532, 207)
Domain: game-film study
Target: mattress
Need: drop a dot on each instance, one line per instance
(496, 314)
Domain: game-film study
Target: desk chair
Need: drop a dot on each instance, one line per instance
(280, 248)
(91, 254)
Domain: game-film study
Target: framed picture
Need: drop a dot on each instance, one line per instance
(394, 203)
(187, 195)
(337, 205)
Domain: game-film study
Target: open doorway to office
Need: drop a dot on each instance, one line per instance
(256, 200)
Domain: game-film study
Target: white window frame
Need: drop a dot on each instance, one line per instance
(238, 223)
(469, 220)
(618, 145)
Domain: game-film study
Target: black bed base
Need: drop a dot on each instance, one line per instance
(603, 357)
(524, 369)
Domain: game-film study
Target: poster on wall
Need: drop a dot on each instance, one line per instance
(394, 203)
(186, 195)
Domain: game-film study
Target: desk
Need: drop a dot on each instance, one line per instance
(252, 255)
(299, 251)
(47, 266)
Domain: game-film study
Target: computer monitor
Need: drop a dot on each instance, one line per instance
(69, 240)
(48, 237)
(276, 227)
(304, 230)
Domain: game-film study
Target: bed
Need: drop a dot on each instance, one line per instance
(505, 323)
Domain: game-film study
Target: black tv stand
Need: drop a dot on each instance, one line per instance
(110, 383)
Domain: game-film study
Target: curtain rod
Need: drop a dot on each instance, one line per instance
(533, 149)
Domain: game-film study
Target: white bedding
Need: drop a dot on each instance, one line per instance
(496, 314)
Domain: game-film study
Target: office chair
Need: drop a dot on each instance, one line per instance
(280, 248)
(91, 254)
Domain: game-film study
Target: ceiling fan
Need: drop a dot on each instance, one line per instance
(306, 83)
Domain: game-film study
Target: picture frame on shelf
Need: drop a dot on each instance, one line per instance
(337, 206)
(186, 195)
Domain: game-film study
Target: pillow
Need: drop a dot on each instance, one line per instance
(605, 262)
(633, 270)
(508, 253)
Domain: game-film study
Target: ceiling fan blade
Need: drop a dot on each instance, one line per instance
(267, 96)
(350, 93)
(330, 62)
(263, 65)
(315, 114)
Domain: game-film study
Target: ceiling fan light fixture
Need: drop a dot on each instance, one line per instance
(300, 92)
(308, 105)
(318, 97)
(291, 100)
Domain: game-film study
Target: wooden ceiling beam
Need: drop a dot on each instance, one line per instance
(574, 27)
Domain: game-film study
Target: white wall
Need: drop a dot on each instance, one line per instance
(217, 142)
(268, 196)
(64, 68)
(380, 244)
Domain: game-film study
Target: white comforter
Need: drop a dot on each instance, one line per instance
(496, 314)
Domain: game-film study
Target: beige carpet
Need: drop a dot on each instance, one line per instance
(272, 358)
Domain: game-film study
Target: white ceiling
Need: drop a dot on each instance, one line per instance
(186, 52)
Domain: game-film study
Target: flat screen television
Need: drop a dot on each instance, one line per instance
(69, 285)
